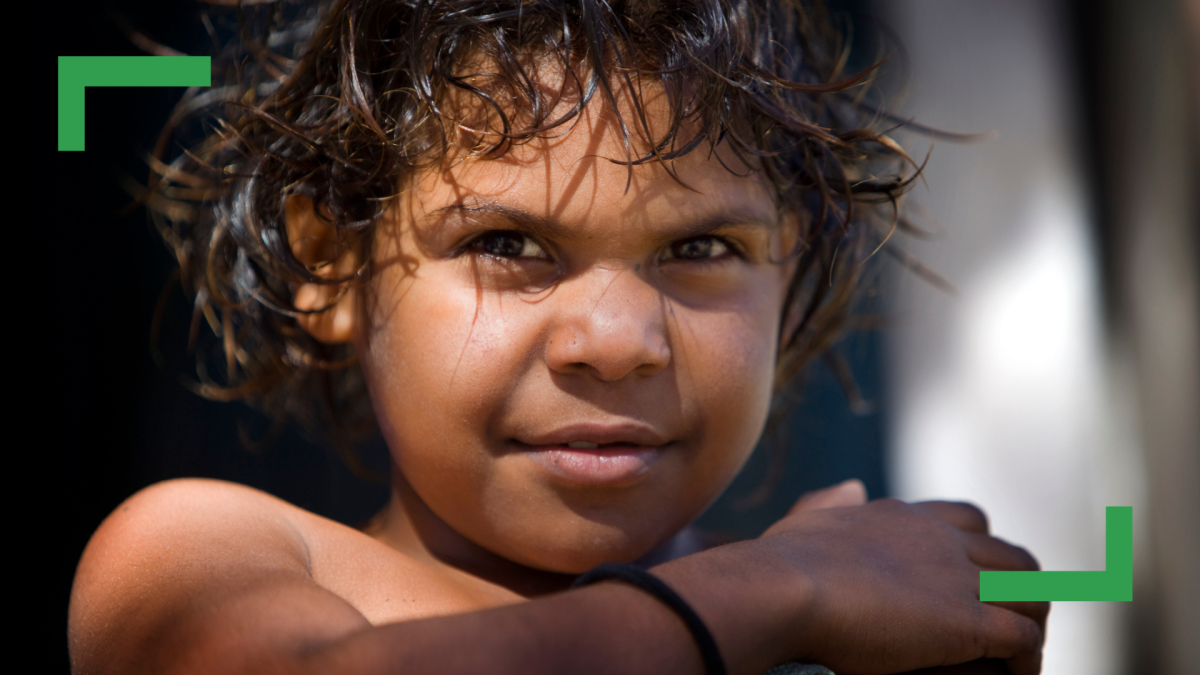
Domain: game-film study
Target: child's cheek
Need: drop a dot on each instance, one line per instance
(441, 344)
(727, 359)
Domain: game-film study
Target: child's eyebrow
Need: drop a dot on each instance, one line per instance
(526, 221)
(692, 227)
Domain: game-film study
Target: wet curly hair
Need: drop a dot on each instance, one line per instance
(345, 101)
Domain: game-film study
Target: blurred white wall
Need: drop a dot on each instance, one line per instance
(1003, 395)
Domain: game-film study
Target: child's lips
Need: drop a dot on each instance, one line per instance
(595, 453)
(614, 464)
(609, 433)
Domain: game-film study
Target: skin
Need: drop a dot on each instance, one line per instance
(515, 305)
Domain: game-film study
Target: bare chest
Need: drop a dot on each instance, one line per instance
(387, 586)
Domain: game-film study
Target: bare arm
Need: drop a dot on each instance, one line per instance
(168, 586)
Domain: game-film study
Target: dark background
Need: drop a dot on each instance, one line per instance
(113, 421)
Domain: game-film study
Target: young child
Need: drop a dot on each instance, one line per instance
(565, 252)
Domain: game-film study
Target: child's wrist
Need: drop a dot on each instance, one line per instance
(753, 607)
(714, 663)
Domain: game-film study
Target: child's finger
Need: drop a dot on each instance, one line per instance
(976, 667)
(847, 493)
(1038, 611)
(1016, 638)
(997, 554)
(966, 517)
(1026, 664)
(994, 554)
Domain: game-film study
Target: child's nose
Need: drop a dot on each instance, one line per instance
(611, 324)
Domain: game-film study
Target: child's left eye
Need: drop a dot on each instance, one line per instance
(697, 248)
(508, 244)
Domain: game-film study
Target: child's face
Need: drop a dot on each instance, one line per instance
(529, 302)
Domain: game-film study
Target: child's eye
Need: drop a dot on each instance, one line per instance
(508, 244)
(697, 248)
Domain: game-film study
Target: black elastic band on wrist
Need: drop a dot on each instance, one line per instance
(636, 576)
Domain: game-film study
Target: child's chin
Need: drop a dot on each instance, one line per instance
(578, 554)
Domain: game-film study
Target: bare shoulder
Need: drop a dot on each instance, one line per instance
(203, 522)
(188, 566)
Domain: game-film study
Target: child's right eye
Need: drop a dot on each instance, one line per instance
(508, 244)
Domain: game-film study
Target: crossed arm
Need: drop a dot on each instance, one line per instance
(204, 577)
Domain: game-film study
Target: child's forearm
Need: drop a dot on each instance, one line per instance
(606, 628)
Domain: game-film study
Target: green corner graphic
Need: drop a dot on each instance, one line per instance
(1114, 583)
(75, 73)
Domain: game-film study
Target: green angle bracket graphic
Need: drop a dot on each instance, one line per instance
(1114, 583)
(75, 73)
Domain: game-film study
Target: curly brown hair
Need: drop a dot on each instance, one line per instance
(345, 102)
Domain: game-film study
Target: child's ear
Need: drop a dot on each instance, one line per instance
(315, 244)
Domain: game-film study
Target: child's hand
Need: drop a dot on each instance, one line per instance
(908, 574)
(871, 588)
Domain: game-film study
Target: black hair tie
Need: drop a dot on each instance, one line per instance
(636, 576)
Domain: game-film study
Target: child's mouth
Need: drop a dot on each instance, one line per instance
(595, 453)
(585, 463)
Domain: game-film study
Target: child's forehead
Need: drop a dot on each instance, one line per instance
(579, 174)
